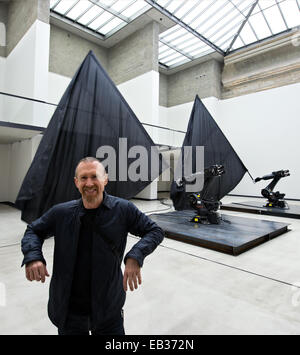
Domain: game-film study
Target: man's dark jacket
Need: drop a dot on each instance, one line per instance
(114, 220)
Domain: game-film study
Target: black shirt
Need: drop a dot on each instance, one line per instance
(80, 301)
(116, 218)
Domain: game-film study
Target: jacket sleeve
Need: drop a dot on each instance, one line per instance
(141, 225)
(35, 234)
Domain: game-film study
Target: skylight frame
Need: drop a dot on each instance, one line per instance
(134, 8)
(245, 33)
(217, 25)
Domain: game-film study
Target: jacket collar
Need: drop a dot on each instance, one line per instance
(106, 202)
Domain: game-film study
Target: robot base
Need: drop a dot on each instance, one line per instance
(234, 235)
(276, 204)
(210, 218)
(291, 211)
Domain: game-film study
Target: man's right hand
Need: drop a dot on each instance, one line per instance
(36, 270)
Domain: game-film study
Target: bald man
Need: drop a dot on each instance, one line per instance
(87, 289)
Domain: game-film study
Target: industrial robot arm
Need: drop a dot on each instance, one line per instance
(209, 174)
(275, 199)
(206, 206)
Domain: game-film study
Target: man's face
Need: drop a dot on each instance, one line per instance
(90, 180)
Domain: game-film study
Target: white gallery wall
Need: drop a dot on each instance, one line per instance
(4, 148)
(2, 72)
(2, 83)
(264, 130)
(5, 153)
(262, 127)
(142, 95)
(22, 154)
(25, 73)
(15, 159)
(57, 85)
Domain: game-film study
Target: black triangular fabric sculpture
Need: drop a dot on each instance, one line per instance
(203, 131)
(91, 113)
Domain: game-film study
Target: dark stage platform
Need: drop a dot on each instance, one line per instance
(234, 235)
(258, 207)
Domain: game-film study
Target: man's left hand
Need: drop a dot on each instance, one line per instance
(132, 275)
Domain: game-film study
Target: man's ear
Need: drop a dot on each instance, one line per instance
(76, 181)
(106, 180)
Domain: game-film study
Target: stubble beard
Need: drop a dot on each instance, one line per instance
(91, 198)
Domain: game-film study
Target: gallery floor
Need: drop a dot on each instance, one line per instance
(186, 289)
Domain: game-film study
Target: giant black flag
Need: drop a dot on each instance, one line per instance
(92, 113)
(203, 131)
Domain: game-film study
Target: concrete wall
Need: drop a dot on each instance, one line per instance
(15, 160)
(5, 151)
(21, 157)
(270, 64)
(180, 85)
(3, 25)
(134, 56)
(2, 85)
(163, 90)
(203, 79)
(67, 52)
(21, 16)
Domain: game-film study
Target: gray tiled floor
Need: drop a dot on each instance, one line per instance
(186, 289)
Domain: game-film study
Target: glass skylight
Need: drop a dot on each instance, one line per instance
(101, 16)
(226, 24)
(201, 26)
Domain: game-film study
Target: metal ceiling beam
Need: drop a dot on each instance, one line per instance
(84, 12)
(190, 21)
(184, 25)
(88, 9)
(223, 34)
(242, 26)
(249, 23)
(267, 22)
(179, 7)
(72, 7)
(110, 10)
(284, 20)
(57, 2)
(215, 23)
(94, 18)
(175, 49)
(77, 25)
(110, 19)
